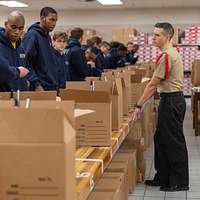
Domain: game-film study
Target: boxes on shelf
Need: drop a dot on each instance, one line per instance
(122, 156)
(90, 164)
(138, 85)
(51, 170)
(42, 95)
(93, 129)
(113, 86)
(111, 186)
(121, 166)
(131, 144)
(147, 122)
(5, 96)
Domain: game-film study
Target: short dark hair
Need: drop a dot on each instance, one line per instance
(46, 10)
(93, 50)
(167, 27)
(77, 33)
(94, 40)
(122, 47)
(105, 43)
(115, 44)
(60, 34)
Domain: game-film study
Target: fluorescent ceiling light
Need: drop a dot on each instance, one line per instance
(13, 4)
(110, 2)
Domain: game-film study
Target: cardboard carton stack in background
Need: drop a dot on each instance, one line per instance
(196, 73)
(123, 35)
(176, 35)
(88, 33)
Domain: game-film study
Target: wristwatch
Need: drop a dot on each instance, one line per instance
(138, 106)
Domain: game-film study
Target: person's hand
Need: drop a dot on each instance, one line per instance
(39, 88)
(92, 64)
(23, 71)
(136, 114)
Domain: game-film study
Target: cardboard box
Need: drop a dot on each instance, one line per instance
(123, 35)
(141, 171)
(35, 160)
(42, 95)
(126, 91)
(93, 129)
(122, 167)
(138, 145)
(66, 106)
(196, 73)
(137, 88)
(176, 36)
(110, 187)
(130, 155)
(114, 88)
(5, 95)
(88, 33)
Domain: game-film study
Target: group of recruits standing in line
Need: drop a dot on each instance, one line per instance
(39, 62)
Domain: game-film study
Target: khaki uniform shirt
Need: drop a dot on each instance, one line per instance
(174, 83)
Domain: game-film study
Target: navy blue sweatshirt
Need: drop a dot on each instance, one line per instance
(100, 61)
(131, 58)
(62, 68)
(78, 67)
(7, 74)
(14, 57)
(113, 60)
(40, 56)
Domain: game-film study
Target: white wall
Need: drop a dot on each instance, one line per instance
(103, 21)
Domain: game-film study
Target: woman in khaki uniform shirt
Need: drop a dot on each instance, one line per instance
(171, 156)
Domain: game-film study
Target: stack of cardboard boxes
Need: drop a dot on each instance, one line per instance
(124, 35)
(88, 33)
(100, 117)
(196, 73)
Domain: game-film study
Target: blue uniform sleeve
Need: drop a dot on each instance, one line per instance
(96, 72)
(7, 73)
(131, 58)
(120, 63)
(78, 60)
(107, 61)
(68, 74)
(31, 54)
(99, 63)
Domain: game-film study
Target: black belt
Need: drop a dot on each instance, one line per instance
(171, 94)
